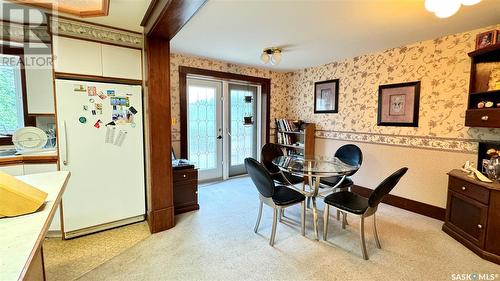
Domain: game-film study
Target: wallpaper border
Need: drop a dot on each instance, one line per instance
(423, 142)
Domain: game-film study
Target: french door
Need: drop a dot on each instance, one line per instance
(223, 121)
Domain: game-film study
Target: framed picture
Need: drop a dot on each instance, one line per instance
(326, 96)
(486, 39)
(398, 104)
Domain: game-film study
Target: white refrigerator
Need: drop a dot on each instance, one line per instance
(101, 142)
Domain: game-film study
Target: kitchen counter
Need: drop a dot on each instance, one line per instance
(22, 236)
(34, 158)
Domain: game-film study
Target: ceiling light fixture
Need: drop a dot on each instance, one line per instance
(447, 8)
(272, 55)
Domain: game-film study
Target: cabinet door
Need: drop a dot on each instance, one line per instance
(39, 90)
(467, 217)
(39, 168)
(13, 170)
(120, 62)
(77, 56)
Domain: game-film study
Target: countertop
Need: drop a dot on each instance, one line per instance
(22, 236)
(32, 158)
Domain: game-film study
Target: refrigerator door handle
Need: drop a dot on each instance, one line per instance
(65, 150)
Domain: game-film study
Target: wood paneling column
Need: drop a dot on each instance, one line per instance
(161, 209)
(163, 19)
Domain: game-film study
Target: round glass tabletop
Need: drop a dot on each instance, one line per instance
(321, 166)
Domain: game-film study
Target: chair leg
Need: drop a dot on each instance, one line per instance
(326, 214)
(375, 232)
(362, 236)
(275, 222)
(303, 218)
(315, 218)
(258, 217)
(338, 214)
(309, 202)
(344, 219)
(280, 215)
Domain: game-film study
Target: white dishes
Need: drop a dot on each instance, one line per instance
(29, 138)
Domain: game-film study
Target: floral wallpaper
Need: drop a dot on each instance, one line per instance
(442, 65)
(278, 83)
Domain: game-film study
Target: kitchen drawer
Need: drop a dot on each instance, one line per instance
(185, 193)
(470, 190)
(483, 118)
(185, 175)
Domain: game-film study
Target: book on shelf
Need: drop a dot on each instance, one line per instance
(284, 125)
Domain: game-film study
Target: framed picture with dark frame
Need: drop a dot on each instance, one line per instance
(326, 96)
(398, 104)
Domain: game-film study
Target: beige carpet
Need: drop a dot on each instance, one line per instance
(218, 243)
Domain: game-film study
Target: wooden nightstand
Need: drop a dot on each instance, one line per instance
(185, 189)
(473, 214)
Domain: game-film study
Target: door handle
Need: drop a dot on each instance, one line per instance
(65, 156)
(219, 137)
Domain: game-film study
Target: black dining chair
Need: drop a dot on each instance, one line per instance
(351, 203)
(350, 154)
(277, 197)
(268, 153)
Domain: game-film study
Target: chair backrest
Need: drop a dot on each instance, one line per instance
(385, 187)
(260, 177)
(268, 153)
(350, 154)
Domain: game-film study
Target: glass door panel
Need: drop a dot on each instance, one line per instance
(242, 127)
(204, 124)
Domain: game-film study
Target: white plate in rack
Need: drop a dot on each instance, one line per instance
(29, 138)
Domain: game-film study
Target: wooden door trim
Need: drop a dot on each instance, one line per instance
(184, 71)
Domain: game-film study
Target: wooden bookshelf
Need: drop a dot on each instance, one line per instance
(296, 138)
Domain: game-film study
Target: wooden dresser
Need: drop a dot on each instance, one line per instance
(473, 214)
(185, 189)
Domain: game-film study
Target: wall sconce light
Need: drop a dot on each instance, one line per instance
(272, 55)
(447, 8)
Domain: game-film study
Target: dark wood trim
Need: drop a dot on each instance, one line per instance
(26, 159)
(407, 204)
(184, 71)
(158, 115)
(164, 18)
(95, 78)
(161, 206)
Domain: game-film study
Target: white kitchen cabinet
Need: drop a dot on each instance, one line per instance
(13, 170)
(120, 62)
(39, 168)
(77, 56)
(91, 58)
(39, 90)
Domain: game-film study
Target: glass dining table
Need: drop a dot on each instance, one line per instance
(314, 168)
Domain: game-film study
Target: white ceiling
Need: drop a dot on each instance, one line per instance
(317, 32)
(126, 14)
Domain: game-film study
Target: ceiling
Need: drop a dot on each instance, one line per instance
(317, 32)
(82, 8)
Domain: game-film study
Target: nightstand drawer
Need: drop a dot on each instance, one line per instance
(470, 190)
(185, 175)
